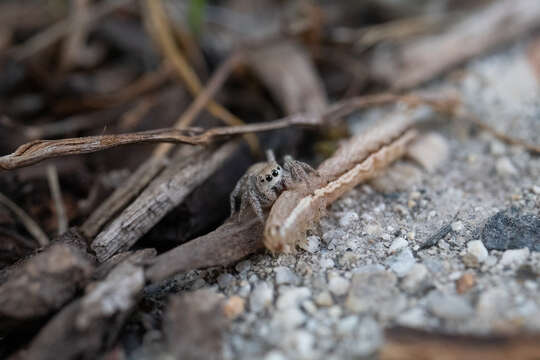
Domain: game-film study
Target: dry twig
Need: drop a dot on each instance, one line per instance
(414, 63)
(228, 243)
(162, 34)
(532, 148)
(54, 185)
(31, 226)
(163, 194)
(411, 344)
(40, 150)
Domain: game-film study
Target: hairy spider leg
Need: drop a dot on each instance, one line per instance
(235, 194)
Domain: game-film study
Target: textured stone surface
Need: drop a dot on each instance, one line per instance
(510, 229)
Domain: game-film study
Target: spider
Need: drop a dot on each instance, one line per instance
(262, 183)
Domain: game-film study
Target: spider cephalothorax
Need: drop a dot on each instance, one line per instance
(263, 182)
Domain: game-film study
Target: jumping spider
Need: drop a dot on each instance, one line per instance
(264, 181)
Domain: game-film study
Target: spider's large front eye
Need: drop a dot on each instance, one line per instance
(275, 173)
(268, 178)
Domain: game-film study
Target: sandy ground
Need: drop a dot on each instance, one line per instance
(364, 269)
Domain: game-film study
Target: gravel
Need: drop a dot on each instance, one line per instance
(476, 253)
(365, 268)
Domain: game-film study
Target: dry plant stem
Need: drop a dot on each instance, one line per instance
(164, 193)
(228, 243)
(122, 196)
(48, 37)
(396, 30)
(532, 148)
(162, 34)
(151, 167)
(411, 344)
(360, 159)
(414, 63)
(205, 96)
(40, 150)
(54, 186)
(75, 41)
(31, 226)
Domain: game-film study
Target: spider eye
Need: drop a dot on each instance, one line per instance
(268, 178)
(262, 180)
(275, 173)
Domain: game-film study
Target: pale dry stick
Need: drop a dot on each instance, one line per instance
(74, 44)
(48, 37)
(532, 148)
(31, 226)
(230, 242)
(54, 186)
(360, 159)
(413, 63)
(170, 188)
(151, 167)
(394, 30)
(162, 34)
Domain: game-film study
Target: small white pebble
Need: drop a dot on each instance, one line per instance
(335, 312)
(398, 244)
(476, 253)
(505, 167)
(261, 297)
(311, 244)
(536, 189)
(497, 148)
(289, 318)
(275, 355)
(347, 325)
(348, 219)
(514, 257)
(326, 263)
(309, 307)
(302, 342)
(284, 275)
(457, 226)
(338, 285)
(324, 299)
